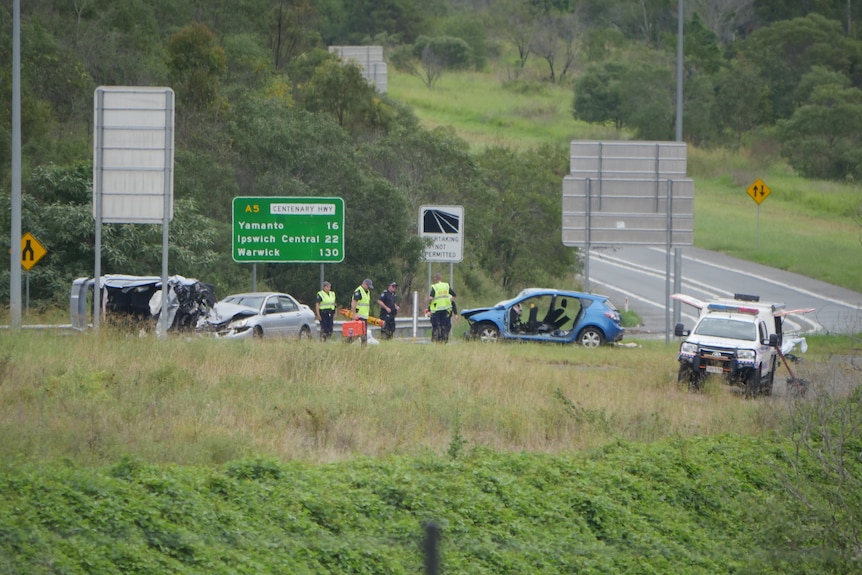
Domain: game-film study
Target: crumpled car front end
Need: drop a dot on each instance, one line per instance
(231, 321)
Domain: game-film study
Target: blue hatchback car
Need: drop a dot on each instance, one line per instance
(538, 314)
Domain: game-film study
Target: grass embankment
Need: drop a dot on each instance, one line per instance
(94, 398)
(805, 226)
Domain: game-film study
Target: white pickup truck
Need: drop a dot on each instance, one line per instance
(739, 339)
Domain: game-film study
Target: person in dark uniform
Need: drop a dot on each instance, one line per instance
(324, 309)
(388, 310)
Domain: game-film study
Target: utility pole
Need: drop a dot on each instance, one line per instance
(15, 234)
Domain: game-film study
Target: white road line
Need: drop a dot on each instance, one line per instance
(711, 291)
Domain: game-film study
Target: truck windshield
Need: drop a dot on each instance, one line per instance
(727, 328)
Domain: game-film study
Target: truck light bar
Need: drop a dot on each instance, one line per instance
(731, 308)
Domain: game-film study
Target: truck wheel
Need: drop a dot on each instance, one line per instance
(752, 383)
(692, 379)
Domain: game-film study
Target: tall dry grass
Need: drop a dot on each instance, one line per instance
(96, 397)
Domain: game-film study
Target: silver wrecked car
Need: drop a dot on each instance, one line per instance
(261, 314)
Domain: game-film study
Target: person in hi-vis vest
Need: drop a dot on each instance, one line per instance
(324, 309)
(441, 299)
(360, 305)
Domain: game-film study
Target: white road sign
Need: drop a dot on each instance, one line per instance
(445, 225)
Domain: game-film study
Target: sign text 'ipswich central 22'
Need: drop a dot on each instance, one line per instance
(288, 229)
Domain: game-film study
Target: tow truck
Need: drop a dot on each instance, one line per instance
(740, 340)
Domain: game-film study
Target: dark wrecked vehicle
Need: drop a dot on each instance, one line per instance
(138, 300)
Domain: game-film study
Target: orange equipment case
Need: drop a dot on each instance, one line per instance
(353, 328)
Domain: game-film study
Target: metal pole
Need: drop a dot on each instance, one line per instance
(757, 239)
(97, 208)
(431, 546)
(587, 242)
(677, 284)
(677, 269)
(166, 212)
(668, 264)
(679, 31)
(15, 228)
(415, 314)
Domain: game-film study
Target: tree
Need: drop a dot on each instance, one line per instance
(404, 19)
(195, 64)
(525, 247)
(598, 94)
(429, 57)
(823, 138)
(338, 89)
(555, 40)
(787, 50)
(723, 17)
(742, 102)
(294, 30)
(431, 167)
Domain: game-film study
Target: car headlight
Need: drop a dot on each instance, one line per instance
(688, 347)
(745, 355)
(239, 324)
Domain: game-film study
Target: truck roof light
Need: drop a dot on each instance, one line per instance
(732, 308)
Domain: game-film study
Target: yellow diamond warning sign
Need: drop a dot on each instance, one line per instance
(31, 251)
(758, 191)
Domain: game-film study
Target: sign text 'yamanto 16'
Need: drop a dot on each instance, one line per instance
(288, 229)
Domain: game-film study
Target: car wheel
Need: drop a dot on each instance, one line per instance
(487, 331)
(305, 333)
(257, 332)
(690, 377)
(591, 337)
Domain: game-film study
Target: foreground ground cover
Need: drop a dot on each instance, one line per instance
(694, 506)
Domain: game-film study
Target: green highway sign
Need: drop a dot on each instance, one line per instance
(288, 229)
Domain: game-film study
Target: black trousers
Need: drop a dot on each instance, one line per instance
(441, 325)
(388, 329)
(327, 318)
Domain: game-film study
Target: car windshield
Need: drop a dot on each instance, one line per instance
(247, 301)
(727, 328)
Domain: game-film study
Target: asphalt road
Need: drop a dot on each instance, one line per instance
(635, 278)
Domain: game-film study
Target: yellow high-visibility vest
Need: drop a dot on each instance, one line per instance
(442, 300)
(327, 300)
(363, 306)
